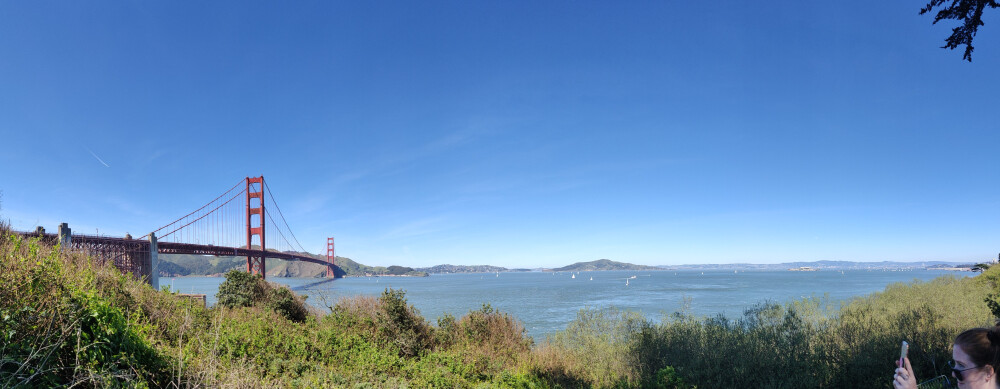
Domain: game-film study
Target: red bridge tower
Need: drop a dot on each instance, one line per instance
(255, 264)
(331, 257)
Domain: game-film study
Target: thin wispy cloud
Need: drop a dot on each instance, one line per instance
(311, 203)
(403, 159)
(154, 156)
(416, 228)
(98, 158)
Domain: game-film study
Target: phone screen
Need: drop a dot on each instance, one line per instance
(902, 352)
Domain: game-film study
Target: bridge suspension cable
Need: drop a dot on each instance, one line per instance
(275, 202)
(234, 219)
(219, 222)
(203, 216)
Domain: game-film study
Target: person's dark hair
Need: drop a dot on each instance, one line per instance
(982, 345)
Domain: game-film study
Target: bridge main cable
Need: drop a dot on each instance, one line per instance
(196, 211)
(275, 202)
(202, 216)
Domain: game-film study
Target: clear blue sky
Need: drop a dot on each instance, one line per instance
(513, 133)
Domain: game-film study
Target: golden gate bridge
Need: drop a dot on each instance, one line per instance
(238, 223)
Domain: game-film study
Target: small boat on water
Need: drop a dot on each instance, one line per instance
(591, 278)
(574, 276)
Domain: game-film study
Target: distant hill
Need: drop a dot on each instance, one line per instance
(172, 265)
(462, 269)
(280, 268)
(349, 268)
(604, 264)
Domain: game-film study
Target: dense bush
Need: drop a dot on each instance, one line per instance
(598, 345)
(242, 289)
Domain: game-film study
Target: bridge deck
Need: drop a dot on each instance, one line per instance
(176, 248)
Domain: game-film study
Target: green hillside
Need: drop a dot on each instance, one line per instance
(198, 265)
(604, 264)
(172, 265)
(346, 267)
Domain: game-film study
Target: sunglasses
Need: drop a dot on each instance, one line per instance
(958, 372)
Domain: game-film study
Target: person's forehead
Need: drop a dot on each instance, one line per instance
(959, 355)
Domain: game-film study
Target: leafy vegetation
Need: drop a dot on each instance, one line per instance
(242, 289)
(66, 320)
(969, 12)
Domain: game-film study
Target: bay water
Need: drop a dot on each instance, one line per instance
(545, 302)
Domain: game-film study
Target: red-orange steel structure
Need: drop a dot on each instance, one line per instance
(255, 264)
(212, 229)
(331, 256)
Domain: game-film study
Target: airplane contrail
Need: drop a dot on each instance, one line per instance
(98, 158)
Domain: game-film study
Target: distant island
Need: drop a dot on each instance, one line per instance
(462, 269)
(604, 265)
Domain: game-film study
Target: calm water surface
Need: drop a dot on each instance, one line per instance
(546, 302)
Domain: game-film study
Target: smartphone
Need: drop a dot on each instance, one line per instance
(902, 352)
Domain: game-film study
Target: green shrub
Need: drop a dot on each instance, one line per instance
(599, 344)
(667, 378)
(403, 325)
(290, 306)
(242, 289)
(444, 336)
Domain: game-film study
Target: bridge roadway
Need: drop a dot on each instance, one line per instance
(96, 242)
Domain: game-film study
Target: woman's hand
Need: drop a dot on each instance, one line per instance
(904, 379)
